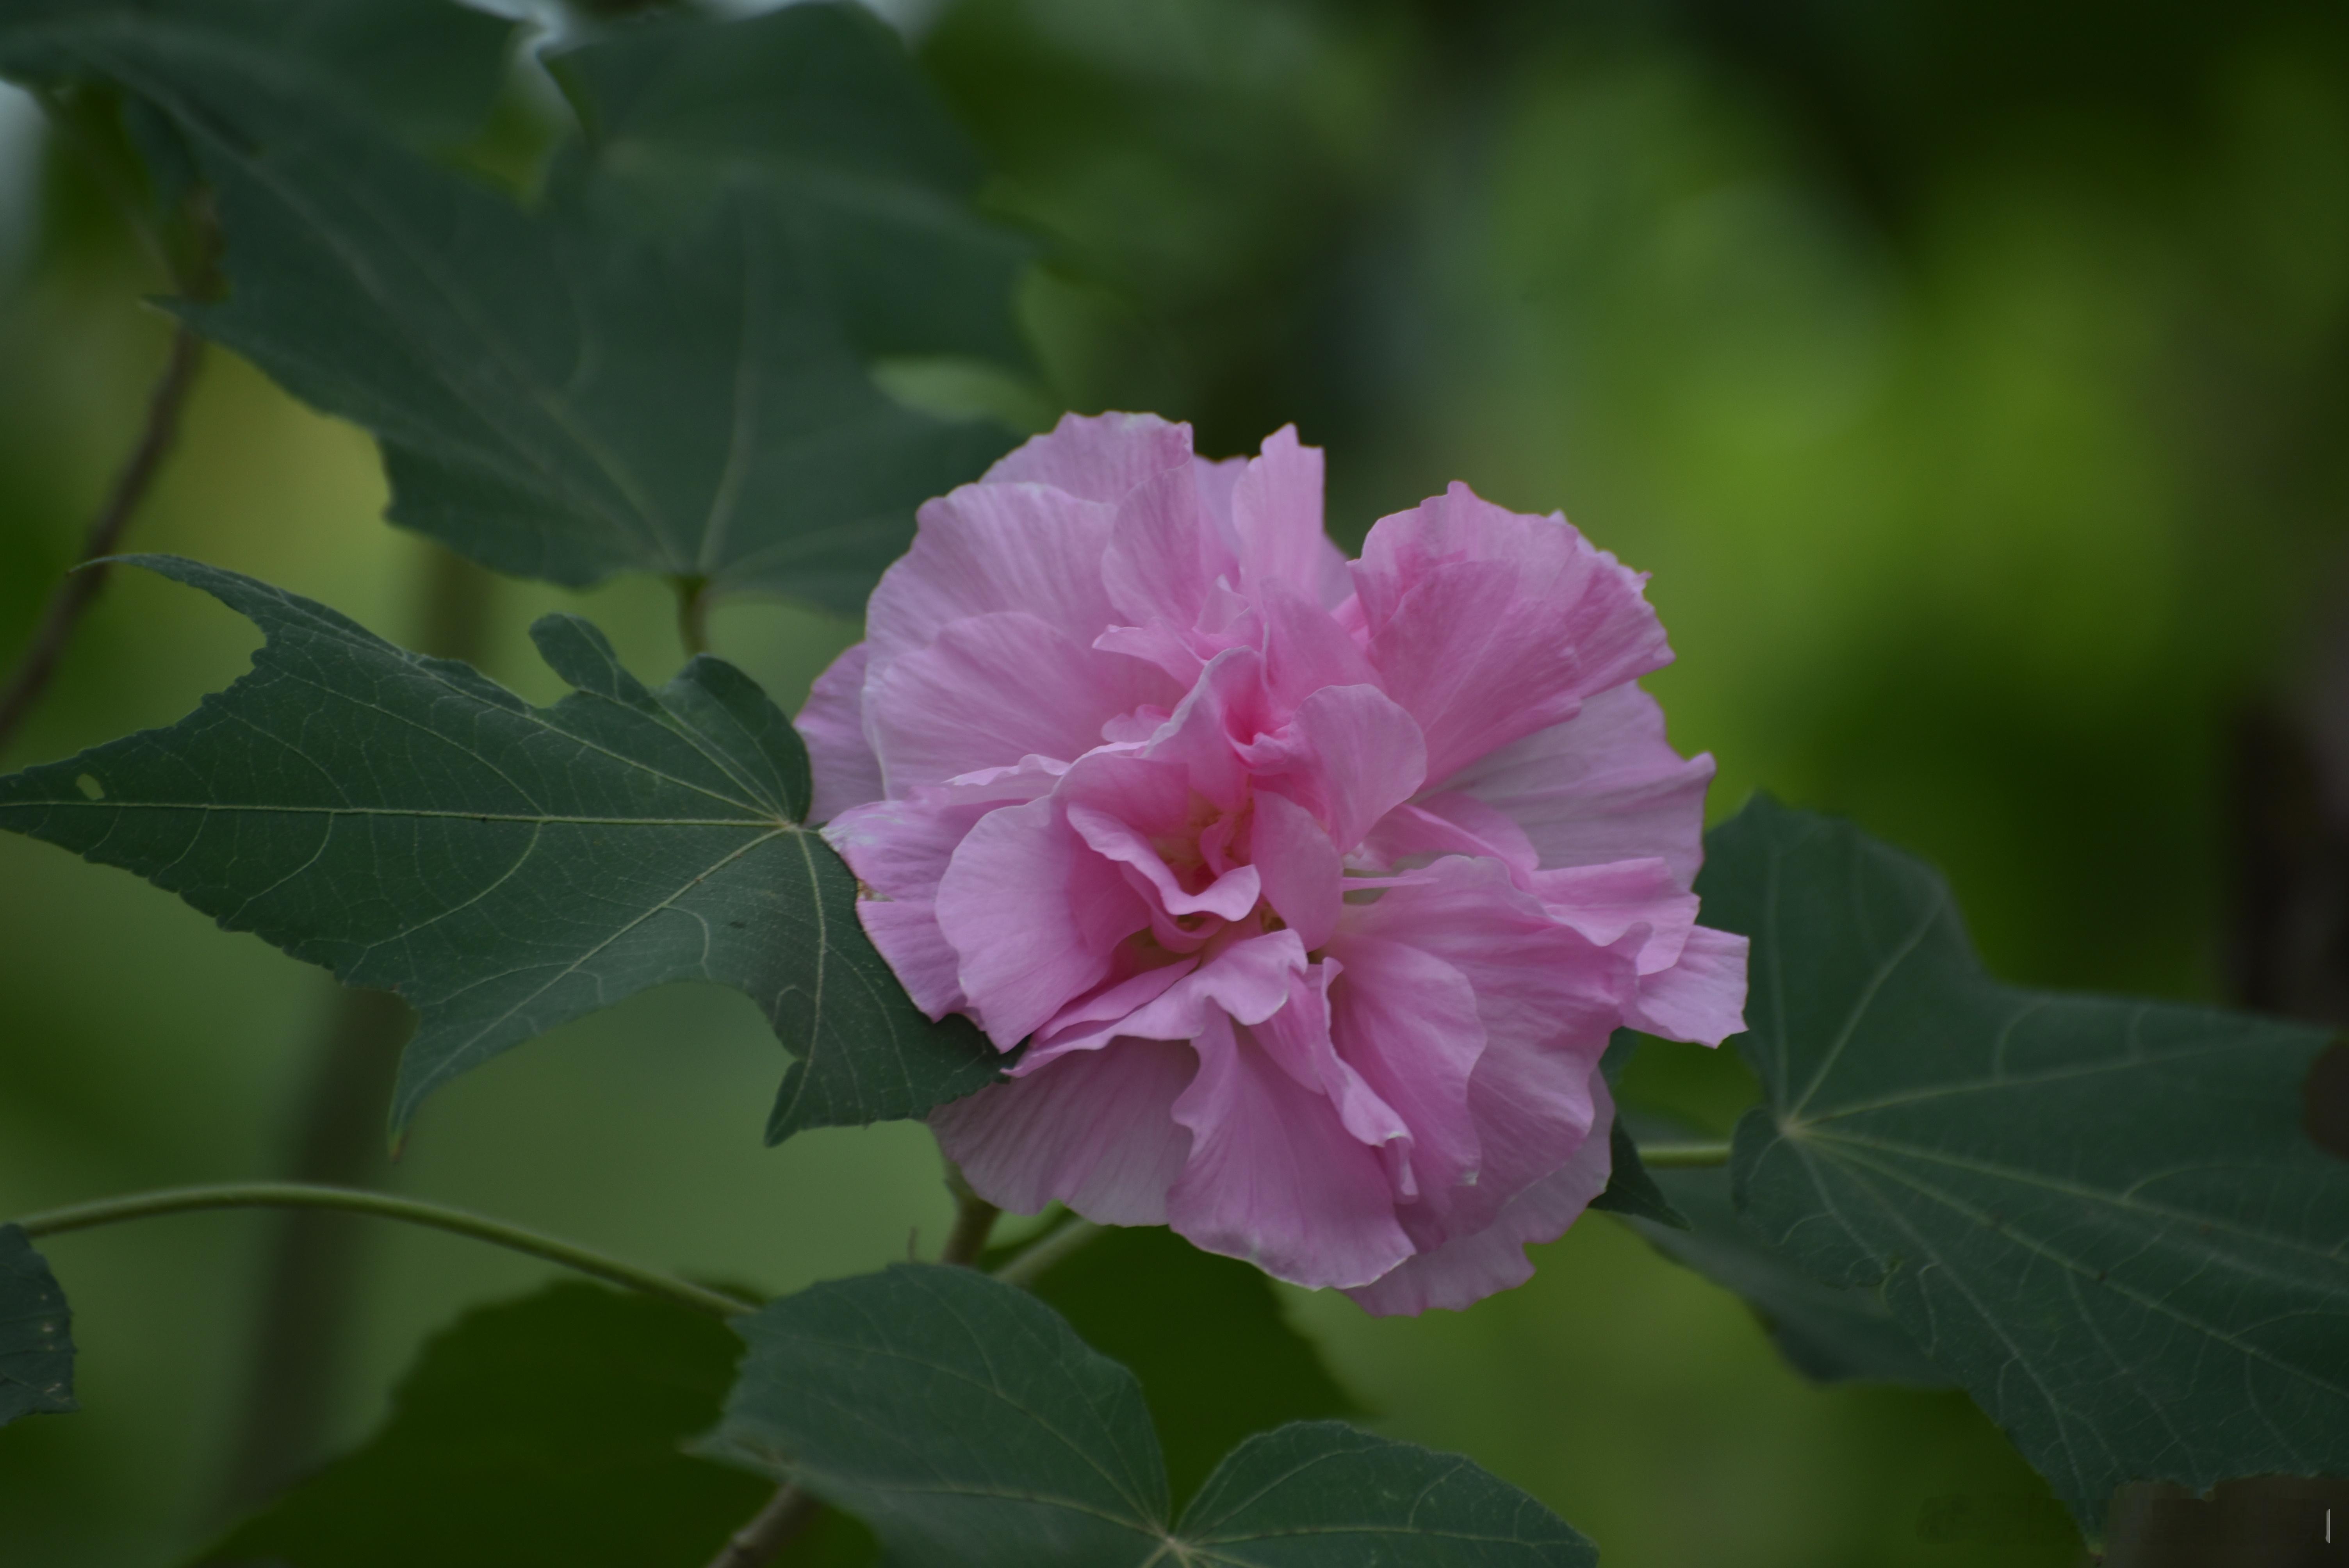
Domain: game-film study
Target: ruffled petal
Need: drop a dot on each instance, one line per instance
(1276, 509)
(1035, 916)
(1301, 872)
(985, 549)
(994, 688)
(845, 770)
(1098, 457)
(1487, 624)
(1701, 997)
(1407, 1022)
(1163, 555)
(1274, 1176)
(916, 951)
(1468, 1268)
(1095, 1130)
(1349, 757)
(1248, 981)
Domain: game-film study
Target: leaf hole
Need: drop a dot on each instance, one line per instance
(91, 789)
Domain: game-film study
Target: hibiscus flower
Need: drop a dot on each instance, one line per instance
(1309, 891)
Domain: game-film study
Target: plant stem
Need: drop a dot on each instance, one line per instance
(414, 1211)
(1683, 1156)
(788, 1512)
(74, 596)
(693, 614)
(1033, 1261)
(974, 1220)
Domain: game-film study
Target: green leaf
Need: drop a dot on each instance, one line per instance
(1204, 1335)
(1830, 1335)
(416, 828)
(572, 392)
(967, 1425)
(37, 1348)
(820, 105)
(541, 1430)
(426, 68)
(2101, 1216)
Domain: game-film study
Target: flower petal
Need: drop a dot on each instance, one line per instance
(1274, 1176)
(846, 772)
(1099, 457)
(1467, 1269)
(1302, 873)
(1349, 756)
(1407, 1021)
(1603, 786)
(906, 932)
(985, 549)
(1701, 997)
(1035, 914)
(1095, 1130)
(993, 688)
(1487, 624)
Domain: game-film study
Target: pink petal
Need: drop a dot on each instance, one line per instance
(1487, 624)
(985, 549)
(906, 932)
(1163, 555)
(1453, 825)
(1603, 786)
(1306, 648)
(1301, 870)
(1095, 1132)
(995, 688)
(1700, 998)
(1248, 981)
(1349, 756)
(1111, 1004)
(1468, 1269)
(1229, 897)
(1607, 902)
(1407, 1022)
(900, 848)
(1276, 513)
(1097, 458)
(1274, 1176)
(833, 725)
(1035, 914)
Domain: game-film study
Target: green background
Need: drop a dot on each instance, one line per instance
(1970, 377)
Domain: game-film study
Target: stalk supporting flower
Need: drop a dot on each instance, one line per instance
(383, 1205)
(1312, 887)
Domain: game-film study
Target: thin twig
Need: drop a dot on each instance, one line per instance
(414, 1211)
(974, 1220)
(1029, 1265)
(73, 596)
(1683, 1156)
(788, 1512)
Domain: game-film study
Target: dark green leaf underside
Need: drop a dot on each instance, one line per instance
(1830, 1335)
(416, 828)
(541, 1430)
(425, 68)
(569, 393)
(1204, 1335)
(2101, 1216)
(966, 1423)
(37, 1349)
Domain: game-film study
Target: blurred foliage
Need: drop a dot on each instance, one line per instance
(1970, 377)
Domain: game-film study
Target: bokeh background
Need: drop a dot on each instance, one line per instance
(1970, 373)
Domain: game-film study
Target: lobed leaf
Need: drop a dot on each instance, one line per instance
(427, 69)
(1203, 1336)
(2102, 1217)
(540, 1430)
(819, 105)
(575, 391)
(967, 1424)
(37, 1349)
(1830, 1335)
(416, 828)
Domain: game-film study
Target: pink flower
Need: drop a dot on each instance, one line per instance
(1314, 888)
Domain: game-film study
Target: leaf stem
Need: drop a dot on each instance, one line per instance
(75, 594)
(1683, 1156)
(459, 1222)
(974, 1220)
(693, 614)
(1029, 1265)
